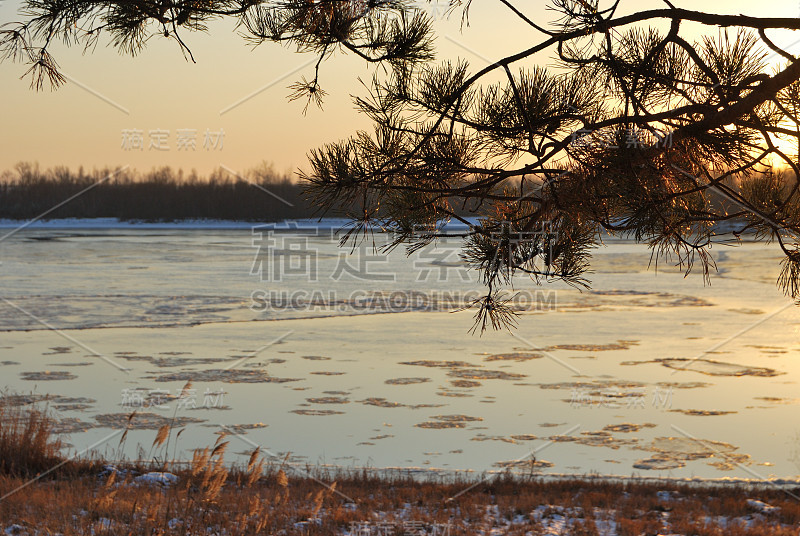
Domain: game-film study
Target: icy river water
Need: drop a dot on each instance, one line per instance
(356, 358)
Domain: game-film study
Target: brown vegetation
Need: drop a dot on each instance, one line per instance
(210, 496)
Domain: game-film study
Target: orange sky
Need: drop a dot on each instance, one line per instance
(83, 122)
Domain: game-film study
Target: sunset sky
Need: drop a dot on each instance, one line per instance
(107, 93)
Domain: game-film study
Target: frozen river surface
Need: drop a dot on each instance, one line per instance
(356, 358)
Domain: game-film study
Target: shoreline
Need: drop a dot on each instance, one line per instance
(471, 476)
(281, 225)
(212, 499)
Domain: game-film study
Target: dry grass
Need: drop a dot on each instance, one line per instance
(27, 443)
(265, 497)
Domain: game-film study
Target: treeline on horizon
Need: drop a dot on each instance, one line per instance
(165, 195)
(161, 195)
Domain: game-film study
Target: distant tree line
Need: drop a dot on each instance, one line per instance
(258, 195)
(158, 196)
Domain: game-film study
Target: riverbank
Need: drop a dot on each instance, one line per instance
(44, 492)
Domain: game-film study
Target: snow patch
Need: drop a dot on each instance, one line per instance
(664, 496)
(762, 506)
(164, 479)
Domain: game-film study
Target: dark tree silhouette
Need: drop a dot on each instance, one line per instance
(635, 132)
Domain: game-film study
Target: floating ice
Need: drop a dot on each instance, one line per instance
(47, 375)
(71, 425)
(382, 403)
(238, 428)
(528, 463)
(777, 399)
(438, 364)
(594, 384)
(465, 383)
(328, 400)
(658, 464)
(481, 437)
(480, 374)
(406, 381)
(440, 425)
(627, 427)
(448, 421)
(702, 412)
(619, 345)
(317, 412)
(709, 367)
(516, 356)
(597, 438)
(524, 437)
(141, 421)
(455, 418)
(455, 394)
(223, 375)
